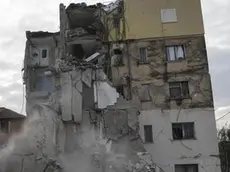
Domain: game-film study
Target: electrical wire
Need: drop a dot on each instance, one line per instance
(223, 116)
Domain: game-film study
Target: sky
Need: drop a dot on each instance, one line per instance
(20, 15)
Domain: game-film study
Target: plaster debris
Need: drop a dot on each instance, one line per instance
(113, 5)
(105, 94)
(92, 57)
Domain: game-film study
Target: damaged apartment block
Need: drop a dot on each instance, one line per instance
(123, 86)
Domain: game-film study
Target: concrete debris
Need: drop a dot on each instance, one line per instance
(110, 7)
(105, 94)
(76, 32)
(87, 77)
(92, 57)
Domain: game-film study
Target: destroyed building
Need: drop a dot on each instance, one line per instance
(122, 80)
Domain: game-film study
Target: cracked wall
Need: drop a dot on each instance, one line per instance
(166, 152)
(157, 72)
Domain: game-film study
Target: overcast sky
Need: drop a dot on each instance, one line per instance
(17, 16)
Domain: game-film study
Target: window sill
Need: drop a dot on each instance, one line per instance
(120, 65)
(184, 139)
(176, 61)
(145, 101)
(181, 98)
(143, 63)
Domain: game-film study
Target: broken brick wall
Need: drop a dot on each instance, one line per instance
(156, 72)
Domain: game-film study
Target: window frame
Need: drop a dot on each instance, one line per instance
(182, 96)
(145, 60)
(149, 99)
(44, 49)
(8, 126)
(149, 138)
(186, 166)
(176, 58)
(165, 19)
(183, 130)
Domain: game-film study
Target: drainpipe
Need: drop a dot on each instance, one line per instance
(129, 79)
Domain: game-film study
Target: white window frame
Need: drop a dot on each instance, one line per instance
(168, 15)
(173, 54)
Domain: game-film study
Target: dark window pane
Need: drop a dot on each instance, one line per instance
(120, 90)
(183, 131)
(4, 126)
(188, 130)
(175, 92)
(44, 53)
(179, 89)
(177, 131)
(148, 133)
(186, 168)
(185, 89)
(143, 54)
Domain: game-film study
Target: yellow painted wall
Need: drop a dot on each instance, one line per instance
(114, 34)
(143, 18)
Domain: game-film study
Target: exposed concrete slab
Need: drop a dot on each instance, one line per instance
(66, 96)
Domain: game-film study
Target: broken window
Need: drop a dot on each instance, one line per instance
(186, 168)
(120, 89)
(78, 51)
(117, 59)
(116, 22)
(143, 54)
(148, 133)
(179, 90)
(4, 124)
(144, 93)
(176, 52)
(44, 53)
(183, 131)
(168, 15)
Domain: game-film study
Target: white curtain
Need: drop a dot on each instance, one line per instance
(171, 53)
(179, 52)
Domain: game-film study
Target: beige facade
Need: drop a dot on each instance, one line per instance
(144, 18)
